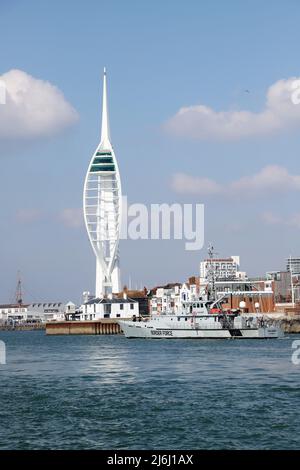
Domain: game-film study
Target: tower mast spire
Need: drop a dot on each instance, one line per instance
(105, 134)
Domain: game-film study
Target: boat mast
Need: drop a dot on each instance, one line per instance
(19, 292)
(211, 275)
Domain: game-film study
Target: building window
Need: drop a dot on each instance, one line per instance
(121, 306)
(107, 309)
(118, 315)
(131, 306)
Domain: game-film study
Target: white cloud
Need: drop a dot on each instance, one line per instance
(72, 217)
(183, 183)
(28, 215)
(270, 179)
(270, 218)
(33, 107)
(204, 123)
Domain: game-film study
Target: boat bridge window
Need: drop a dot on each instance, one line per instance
(185, 319)
(178, 318)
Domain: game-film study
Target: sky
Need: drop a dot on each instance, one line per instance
(201, 111)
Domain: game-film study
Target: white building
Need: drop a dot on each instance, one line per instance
(35, 312)
(99, 308)
(102, 200)
(169, 299)
(223, 268)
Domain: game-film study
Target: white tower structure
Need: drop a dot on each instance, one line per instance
(102, 204)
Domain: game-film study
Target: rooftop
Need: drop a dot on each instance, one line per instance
(14, 305)
(213, 260)
(98, 300)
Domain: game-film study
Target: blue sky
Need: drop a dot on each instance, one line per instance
(160, 57)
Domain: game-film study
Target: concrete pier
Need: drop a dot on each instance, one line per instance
(100, 327)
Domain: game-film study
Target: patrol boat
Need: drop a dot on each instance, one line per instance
(203, 319)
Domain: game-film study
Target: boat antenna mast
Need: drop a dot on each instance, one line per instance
(19, 291)
(211, 273)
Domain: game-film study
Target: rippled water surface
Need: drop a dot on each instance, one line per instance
(107, 392)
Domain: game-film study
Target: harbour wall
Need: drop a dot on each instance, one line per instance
(22, 327)
(103, 327)
(291, 325)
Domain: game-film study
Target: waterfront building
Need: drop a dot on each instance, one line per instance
(169, 298)
(99, 308)
(282, 285)
(224, 268)
(141, 296)
(293, 265)
(102, 208)
(34, 312)
(165, 298)
(257, 295)
(286, 286)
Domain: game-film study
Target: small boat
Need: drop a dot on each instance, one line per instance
(203, 319)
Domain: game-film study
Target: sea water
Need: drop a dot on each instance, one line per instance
(109, 392)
